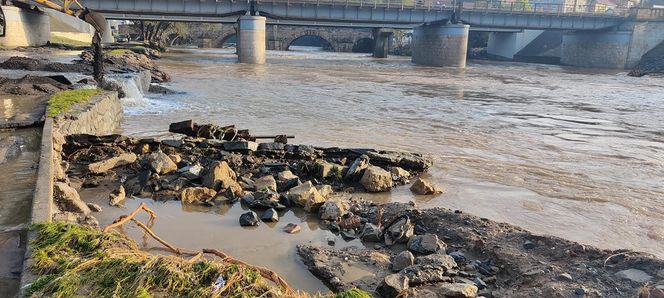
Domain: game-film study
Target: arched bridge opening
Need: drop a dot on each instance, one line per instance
(227, 41)
(310, 42)
(364, 45)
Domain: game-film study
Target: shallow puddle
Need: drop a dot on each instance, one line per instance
(197, 227)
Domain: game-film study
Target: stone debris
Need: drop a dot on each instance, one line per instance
(426, 244)
(116, 198)
(375, 179)
(393, 285)
(399, 232)
(67, 199)
(249, 219)
(292, 228)
(356, 169)
(424, 187)
(265, 183)
(161, 163)
(634, 275)
(402, 260)
(270, 215)
(103, 166)
(197, 195)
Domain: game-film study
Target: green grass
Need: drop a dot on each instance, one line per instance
(117, 52)
(66, 41)
(62, 101)
(353, 293)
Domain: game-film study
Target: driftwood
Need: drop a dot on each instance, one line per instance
(264, 272)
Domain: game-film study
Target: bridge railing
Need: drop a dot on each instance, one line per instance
(520, 6)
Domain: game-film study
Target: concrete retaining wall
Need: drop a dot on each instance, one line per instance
(25, 28)
(646, 36)
(507, 44)
(102, 114)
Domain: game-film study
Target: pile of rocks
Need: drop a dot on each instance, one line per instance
(266, 177)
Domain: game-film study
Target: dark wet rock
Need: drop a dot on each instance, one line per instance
(103, 166)
(271, 146)
(442, 261)
(94, 207)
(420, 229)
(458, 256)
(160, 163)
(356, 169)
(528, 244)
(350, 221)
(68, 199)
(371, 233)
(292, 228)
(10, 147)
(376, 179)
(161, 89)
(402, 260)
(249, 219)
(288, 184)
(393, 285)
(173, 143)
(116, 198)
(240, 146)
(399, 232)
(197, 195)
(348, 234)
(426, 244)
(270, 215)
(191, 172)
(424, 187)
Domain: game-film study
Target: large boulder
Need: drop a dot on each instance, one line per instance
(197, 195)
(426, 244)
(220, 176)
(307, 196)
(375, 179)
(103, 166)
(161, 163)
(265, 183)
(355, 170)
(67, 199)
(424, 187)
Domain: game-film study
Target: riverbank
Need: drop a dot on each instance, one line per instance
(369, 262)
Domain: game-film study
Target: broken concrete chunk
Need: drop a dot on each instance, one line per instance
(424, 187)
(240, 146)
(117, 197)
(197, 195)
(103, 166)
(161, 163)
(266, 183)
(219, 175)
(68, 199)
(355, 171)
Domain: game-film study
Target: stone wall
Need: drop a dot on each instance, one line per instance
(25, 28)
(102, 114)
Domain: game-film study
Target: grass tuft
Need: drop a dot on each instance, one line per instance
(62, 101)
(68, 42)
(118, 52)
(353, 293)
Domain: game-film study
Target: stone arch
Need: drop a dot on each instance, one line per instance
(219, 43)
(286, 43)
(363, 45)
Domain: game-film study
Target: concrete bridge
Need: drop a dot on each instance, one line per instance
(592, 36)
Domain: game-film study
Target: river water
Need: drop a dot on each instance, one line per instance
(575, 153)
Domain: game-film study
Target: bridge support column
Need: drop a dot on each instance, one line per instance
(440, 45)
(381, 43)
(25, 28)
(251, 40)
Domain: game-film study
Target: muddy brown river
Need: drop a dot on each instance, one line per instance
(575, 153)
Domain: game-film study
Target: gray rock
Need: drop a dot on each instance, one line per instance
(458, 256)
(265, 183)
(399, 232)
(393, 285)
(634, 275)
(371, 233)
(173, 143)
(249, 219)
(191, 172)
(271, 146)
(460, 290)
(270, 215)
(402, 260)
(161, 163)
(437, 260)
(68, 199)
(332, 210)
(240, 146)
(426, 244)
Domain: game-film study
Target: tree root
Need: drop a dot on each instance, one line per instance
(264, 272)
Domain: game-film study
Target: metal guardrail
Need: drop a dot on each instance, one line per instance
(517, 6)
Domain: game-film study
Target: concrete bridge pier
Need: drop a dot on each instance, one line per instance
(381, 42)
(25, 28)
(440, 45)
(251, 45)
